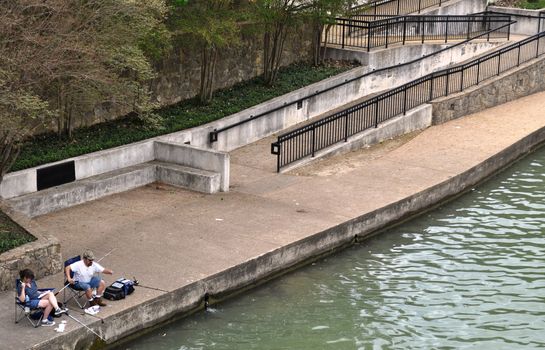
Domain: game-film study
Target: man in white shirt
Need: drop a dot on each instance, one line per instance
(85, 277)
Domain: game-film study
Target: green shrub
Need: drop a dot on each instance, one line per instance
(11, 234)
(532, 4)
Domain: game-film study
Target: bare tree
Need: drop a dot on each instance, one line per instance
(62, 57)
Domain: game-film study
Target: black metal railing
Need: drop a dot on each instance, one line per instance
(401, 30)
(393, 7)
(309, 139)
(214, 134)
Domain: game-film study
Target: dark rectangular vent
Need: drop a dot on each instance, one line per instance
(55, 175)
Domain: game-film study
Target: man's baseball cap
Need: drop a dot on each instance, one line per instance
(89, 255)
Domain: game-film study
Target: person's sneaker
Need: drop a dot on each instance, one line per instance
(99, 302)
(47, 323)
(60, 311)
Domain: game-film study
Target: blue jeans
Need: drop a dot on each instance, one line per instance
(93, 283)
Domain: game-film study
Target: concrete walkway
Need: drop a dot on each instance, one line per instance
(171, 238)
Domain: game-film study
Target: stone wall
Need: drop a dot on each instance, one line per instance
(522, 81)
(43, 256)
(179, 73)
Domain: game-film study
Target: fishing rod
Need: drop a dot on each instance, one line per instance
(110, 252)
(138, 284)
(84, 325)
(83, 313)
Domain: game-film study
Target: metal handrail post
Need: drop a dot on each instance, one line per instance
(509, 29)
(404, 29)
(488, 28)
(376, 114)
(278, 158)
(518, 57)
(398, 3)
(423, 29)
(343, 33)
(313, 140)
(419, 4)
(431, 88)
(405, 100)
(462, 80)
(499, 63)
(478, 70)
(368, 37)
(446, 83)
(387, 31)
(346, 127)
(446, 30)
(537, 47)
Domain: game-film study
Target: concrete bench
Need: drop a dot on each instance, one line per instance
(94, 187)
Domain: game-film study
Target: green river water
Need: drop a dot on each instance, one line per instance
(468, 275)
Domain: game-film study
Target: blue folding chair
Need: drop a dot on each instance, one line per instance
(23, 309)
(73, 292)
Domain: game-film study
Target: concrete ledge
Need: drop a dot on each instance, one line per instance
(22, 182)
(256, 270)
(519, 82)
(182, 176)
(396, 55)
(75, 193)
(524, 25)
(416, 119)
(195, 157)
(65, 196)
(458, 7)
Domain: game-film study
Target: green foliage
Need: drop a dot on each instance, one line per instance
(532, 4)
(48, 148)
(11, 234)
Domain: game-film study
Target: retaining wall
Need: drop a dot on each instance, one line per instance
(524, 26)
(461, 7)
(522, 81)
(397, 55)
(43, 256)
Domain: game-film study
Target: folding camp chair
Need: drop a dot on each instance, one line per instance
(22, 310)
(73, 293)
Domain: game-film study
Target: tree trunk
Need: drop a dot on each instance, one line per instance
(273, 49)
(60, 104)
(70, 119)
(266, 54)
(209, 55)
(324, 51)
(9, 151)
(317, 30)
